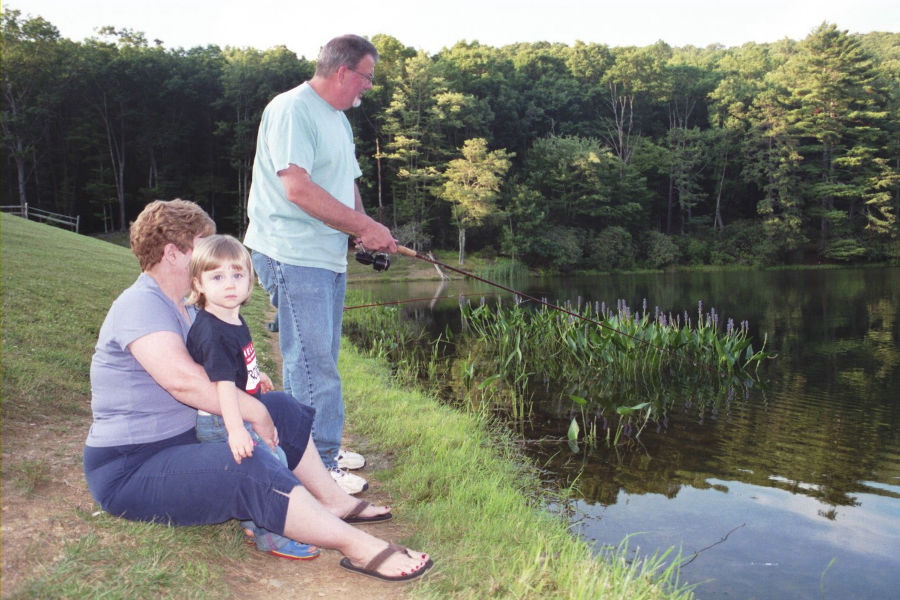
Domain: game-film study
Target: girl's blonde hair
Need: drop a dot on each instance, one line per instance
(213, 252)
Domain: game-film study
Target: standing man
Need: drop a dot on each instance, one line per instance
(303, 197)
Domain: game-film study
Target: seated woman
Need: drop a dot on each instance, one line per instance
(142, 460)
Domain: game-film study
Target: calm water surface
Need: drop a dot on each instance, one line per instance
(790, 492)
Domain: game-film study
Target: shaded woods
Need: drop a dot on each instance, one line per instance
(560, 157)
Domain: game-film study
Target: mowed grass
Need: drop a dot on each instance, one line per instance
(56, 287)
(467, 496)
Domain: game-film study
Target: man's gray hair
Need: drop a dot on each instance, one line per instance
(344, 50)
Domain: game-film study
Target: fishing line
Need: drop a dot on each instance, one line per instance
(392, 302)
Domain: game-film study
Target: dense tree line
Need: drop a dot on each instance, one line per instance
(558, 156)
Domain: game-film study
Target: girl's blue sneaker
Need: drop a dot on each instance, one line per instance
(296, 551)
(266, 541)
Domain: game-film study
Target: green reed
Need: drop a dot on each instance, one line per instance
(384, 333)
(621, 368)
(617, 369)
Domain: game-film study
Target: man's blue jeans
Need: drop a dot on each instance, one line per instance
(310, 305)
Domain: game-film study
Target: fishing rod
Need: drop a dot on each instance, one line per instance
(381, 262)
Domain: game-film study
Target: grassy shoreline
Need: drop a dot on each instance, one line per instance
(463, 492)
(474, 502)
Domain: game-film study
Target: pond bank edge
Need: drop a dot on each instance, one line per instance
(474, 503)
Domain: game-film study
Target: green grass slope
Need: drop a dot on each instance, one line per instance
(470, 500)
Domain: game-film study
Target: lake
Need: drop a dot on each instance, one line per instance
(792, 491)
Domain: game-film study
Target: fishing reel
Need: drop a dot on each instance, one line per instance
(379, 260)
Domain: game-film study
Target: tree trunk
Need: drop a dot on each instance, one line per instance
(826, 198)
(462, 245)
(153, 175)
(245, 169)
(120, 176)
(116, 154)
(512, 239)
(378, 165)
(20, 172)
(670, 203)
(718, 223)
(394, 206)
(623, 118)
(19, 152)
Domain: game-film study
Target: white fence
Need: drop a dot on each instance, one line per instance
(44, 216)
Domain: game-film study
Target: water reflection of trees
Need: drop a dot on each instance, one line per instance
(827, 422)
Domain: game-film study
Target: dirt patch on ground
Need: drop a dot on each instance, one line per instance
(37, 523)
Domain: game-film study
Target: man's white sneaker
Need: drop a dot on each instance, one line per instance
(350, 460)
(350, 483)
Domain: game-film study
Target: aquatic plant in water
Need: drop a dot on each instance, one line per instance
(616, 369)
(620, 368)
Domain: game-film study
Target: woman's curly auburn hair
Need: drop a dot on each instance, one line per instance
(167, 222)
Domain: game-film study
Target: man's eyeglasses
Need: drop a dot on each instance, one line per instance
(371, 78)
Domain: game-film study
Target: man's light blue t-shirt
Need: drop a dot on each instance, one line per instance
(298, 127)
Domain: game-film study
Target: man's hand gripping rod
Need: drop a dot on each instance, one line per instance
(380, 261)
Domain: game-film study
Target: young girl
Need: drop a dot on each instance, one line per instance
(219, 339)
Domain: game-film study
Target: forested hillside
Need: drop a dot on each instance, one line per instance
(562, 157)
